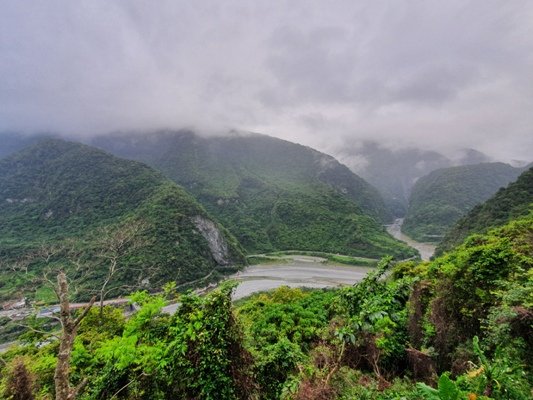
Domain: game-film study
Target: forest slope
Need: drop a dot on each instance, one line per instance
(270, 193)
(507, 204)
(462, 320)
(440, 198)
(64, 204)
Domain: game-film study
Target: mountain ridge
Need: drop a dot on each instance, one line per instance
(270, 193)
(55, 193)
(508, 203)
(440, 198)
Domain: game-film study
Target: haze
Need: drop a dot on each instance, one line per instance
(438, 75)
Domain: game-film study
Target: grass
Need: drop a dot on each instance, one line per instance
(262, 259)
(338, 258)
(45, 295)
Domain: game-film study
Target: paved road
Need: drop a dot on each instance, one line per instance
(5, 346)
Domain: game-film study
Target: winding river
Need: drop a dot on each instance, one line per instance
(313, 272)
(426, 250)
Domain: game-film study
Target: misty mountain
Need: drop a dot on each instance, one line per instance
(440, 198)
(270, 193)
(394, 172)
(507, 204)
(67, 205)
(11, 142)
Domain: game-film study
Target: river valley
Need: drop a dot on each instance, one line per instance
(296, 271)
(426, 250)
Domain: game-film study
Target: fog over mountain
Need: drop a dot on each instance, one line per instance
(436, 75)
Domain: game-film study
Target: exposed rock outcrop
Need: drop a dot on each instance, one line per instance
(215, 239)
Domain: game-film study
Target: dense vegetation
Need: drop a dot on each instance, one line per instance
(63, 205)
(439, 199)
(459, 327)
(394, 172)
(509, 203)
(271, 194)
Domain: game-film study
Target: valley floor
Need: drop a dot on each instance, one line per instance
(296, 271)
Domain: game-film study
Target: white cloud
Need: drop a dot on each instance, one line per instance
(327, 74)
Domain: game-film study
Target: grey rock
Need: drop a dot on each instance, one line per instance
(215, 239)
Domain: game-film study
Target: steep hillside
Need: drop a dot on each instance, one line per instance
(439, 199)
(64, 204)
(270, 193)
(394, 172)
(507, 204)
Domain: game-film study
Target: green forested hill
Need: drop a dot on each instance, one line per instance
(11, 142)
(393, 173)
(270, 193)
(509, 203)
(458, 327)
(64, 204)
(440, 198)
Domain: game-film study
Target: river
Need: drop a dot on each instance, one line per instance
(296, 271)
(313, 272)
(299, 271)
(426, 250)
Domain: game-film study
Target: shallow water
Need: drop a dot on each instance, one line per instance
(426, 250)
(297, 271)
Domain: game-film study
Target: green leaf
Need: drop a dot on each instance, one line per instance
(447, 388)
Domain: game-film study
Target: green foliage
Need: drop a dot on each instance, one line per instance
(470, 281)
(205, 352)
(62, 202)
(446, 390)
(281, 327)
(440, 198)
(286, 313)
(501, 377)
(271, 194)
(510, 203)
(274, 365)
(377, 317)
(353, 384)
(473, 309)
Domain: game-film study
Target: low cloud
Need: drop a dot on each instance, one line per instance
(437, 75)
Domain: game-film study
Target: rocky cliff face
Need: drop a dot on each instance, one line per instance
(215, 239)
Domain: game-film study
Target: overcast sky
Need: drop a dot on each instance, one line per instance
(322, 73)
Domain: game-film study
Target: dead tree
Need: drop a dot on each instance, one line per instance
(115, 245)
(69, 327)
